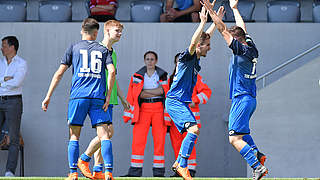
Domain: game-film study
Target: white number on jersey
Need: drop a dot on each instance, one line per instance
(96, 63)
(254, 61)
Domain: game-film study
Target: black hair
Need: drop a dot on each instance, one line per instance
(12, 41)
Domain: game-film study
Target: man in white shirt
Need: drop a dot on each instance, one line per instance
(13, 70)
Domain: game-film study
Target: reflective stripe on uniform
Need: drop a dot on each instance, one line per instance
(166, 118)
(163, 82)
(136, 80)
(158, 157)
(196, 113)
(137, 157)
(158, 165)
(204, 96)
(191, 167)
(127, 114)
(139, 165)
(192, 161)
(200, 98)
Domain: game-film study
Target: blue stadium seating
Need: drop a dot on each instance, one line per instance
(145, 11)
(55, 11)
(284, 11)
(245, 7)
(13, 10)
(316, 12)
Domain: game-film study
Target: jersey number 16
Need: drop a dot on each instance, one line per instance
(95, 59)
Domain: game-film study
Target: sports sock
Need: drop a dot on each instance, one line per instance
(248, 139)
(85, 157)
(186, 148)
(178, 158)
(98, 168)
(73, 155)
(248, 154)
(106, 151)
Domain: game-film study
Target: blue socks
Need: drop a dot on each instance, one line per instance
(186, 149)
(248, 139)
(106, 151)
(73, 155)
(85, 157)
(98, 168)
(248, 154)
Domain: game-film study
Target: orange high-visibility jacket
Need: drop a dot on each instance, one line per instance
(134, 90)
(200, 95)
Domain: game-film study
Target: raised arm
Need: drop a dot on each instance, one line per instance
(196, 36)
(222, 28)
(213, 27)
(237, 16)
(54, 83)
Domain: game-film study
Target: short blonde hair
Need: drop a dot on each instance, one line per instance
(112, 23)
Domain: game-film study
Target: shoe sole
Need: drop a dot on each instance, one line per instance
(90, 177)
(86, 176)
(265, 173)
(181, 175)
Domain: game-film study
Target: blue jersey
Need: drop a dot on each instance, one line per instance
(89, 60)
(242, 68)
(185, 78)
(184, 4)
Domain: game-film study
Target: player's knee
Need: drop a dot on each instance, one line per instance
(194, 129)
(234, 139)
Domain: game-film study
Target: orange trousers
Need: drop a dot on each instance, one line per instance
(151, 114)
(176, 140)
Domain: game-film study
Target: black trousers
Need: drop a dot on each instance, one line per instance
(10, 113)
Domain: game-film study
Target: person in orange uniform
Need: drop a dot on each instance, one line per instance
(201, 94)
(146, 95)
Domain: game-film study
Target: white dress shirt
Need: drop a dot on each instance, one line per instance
(17, 69)
(151, 82)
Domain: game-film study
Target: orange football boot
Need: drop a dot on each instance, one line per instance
(84, 168)
(184, 173)
(72, 176)
(98, 175)
(108, 176)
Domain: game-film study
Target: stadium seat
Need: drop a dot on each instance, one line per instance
(13, 10)
(245, 7)
(145, 11)
(284, 11)
(55, 11)
(316, 12)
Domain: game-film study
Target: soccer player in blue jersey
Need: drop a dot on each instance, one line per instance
(89, 60)
(112, 34)
(242, 77)
(180, 93)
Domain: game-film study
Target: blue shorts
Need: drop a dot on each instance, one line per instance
(79, 108)
(241, 111)
(181, 114)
